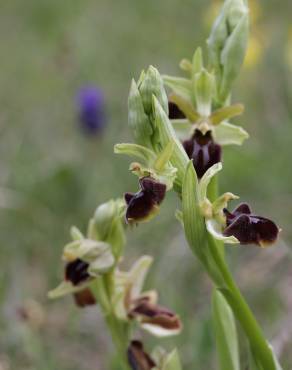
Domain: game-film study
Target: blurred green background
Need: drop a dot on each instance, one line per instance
(53, 176)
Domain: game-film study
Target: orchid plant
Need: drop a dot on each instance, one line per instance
(178, 141)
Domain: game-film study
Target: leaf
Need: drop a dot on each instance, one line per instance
(226, 333)
(227, 134)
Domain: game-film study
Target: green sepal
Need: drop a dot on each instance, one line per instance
(182, 128)
(228, 134)
(204, 92)
(186, 65)
(65, 288)
(180, 86)
(136, 151)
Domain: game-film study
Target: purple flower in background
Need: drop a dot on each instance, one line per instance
(91, 109)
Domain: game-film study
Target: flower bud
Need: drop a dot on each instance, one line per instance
(203, 151)
(144, 204)
(152, 84)
(227, 44)
(249, 228)
(91, 108)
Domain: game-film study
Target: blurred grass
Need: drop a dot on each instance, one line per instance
(52, 176)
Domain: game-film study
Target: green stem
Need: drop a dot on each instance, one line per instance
(242, 311)
(120, 330)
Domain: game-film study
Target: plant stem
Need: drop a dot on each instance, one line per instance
(242, 311)
(120, 330)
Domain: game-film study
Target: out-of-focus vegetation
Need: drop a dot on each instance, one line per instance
(52, 175)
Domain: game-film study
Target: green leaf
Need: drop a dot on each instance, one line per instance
(226, 334)
(166, 133)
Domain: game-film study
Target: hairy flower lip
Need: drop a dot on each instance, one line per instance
(138, 359)
(203, 150)
(145, 202)
(76, 271)
(156, 315)
(84, 298)
(249, 228)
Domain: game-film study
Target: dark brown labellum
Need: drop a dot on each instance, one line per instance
(156, 315)
(174, 111)
(249, 228)
(141, 204)
(203, 151)
(84, 298)
(138, 359)
(76, 271)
